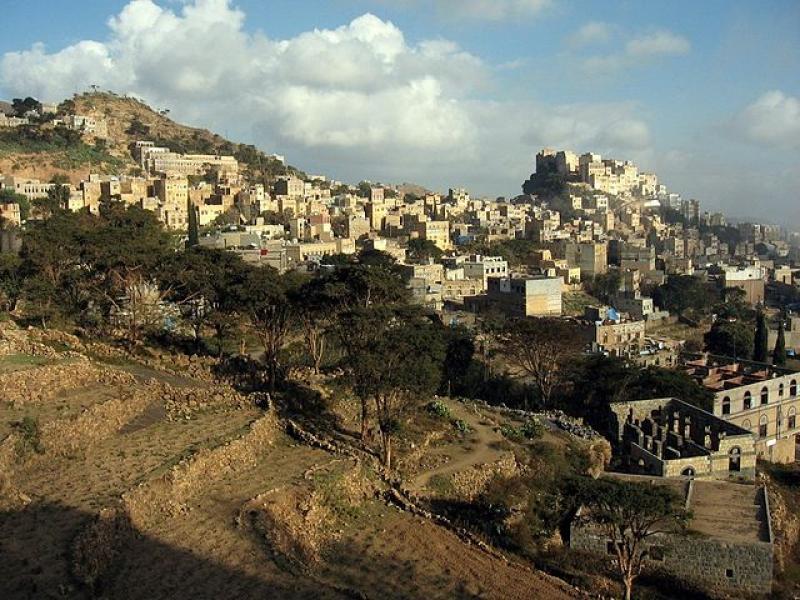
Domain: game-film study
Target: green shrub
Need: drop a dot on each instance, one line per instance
(532, 429)
(461, 426)
(439, 409)
(29, 435)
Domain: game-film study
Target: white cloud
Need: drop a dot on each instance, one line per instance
(773, 119)
(658, 43)
(595, 32)
(637, 51)
(355, 101)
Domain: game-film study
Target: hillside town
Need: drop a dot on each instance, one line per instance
(602, 307)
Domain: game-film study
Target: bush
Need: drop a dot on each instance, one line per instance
(461, 426)
(439, 409)
(30, 440)
(532, 429)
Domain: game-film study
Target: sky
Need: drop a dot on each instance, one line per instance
(451, 93)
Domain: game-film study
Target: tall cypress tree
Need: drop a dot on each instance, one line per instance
(779, 354)
(194, 232)
(760, 343)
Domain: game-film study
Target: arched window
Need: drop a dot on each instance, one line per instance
(780, 391)
(726, 405)
(734, 459)
(792, 418)
(746, 424)
(764, 395)
(748, 400)
(793, 388)
(688, 472)
(762, 426)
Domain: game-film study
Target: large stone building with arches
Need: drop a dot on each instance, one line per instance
(667, 437)
(757, 397)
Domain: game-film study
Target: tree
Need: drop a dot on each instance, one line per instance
(760, 350)
(398, 368)
(318, 303)
(262, 296)
(606, 285)
(193, 234)
(460, 348)
(683, 292)
(627, 513)
(422, 250)
(779, 353)
(199, 281)
(730, 338)
(20, 106)
(539, 349)
(11, 281)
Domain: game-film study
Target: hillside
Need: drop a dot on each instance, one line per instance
(156, 480)
(42, 151)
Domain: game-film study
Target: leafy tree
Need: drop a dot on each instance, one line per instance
(683, 292)
(460, 348)
(318, 303)
(193, 233)
(398, 369)
(262, 296)
(422, 250)
(11, 281)
(779, 353)
(628, 513)
(730, 338)
(21, 106)
(760, 350)
(199, 280)
(606, 285)
(138, 128)
(655, 382)
(539, 348)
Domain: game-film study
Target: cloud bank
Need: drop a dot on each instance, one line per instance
(356, 101)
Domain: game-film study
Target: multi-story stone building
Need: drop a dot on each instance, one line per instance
(591, 258)
(757, 397)
(525, 296)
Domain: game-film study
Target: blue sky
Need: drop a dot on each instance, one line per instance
(452, 92)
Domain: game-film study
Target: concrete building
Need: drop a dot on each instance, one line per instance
(750, 279)
(483, 267)
(757, 397)
(591, 258)
(525, 296)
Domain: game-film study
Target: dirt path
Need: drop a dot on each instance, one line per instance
(481, 447)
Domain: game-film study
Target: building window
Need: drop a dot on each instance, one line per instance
(793, 388)
(611, 548)
(764, 395)
(746, 424)
(729, 573)
(792, 418)
(726, 405)
(762, 426)
(748, 401)
(780, 391)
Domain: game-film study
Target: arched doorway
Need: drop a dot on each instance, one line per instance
(735, 460)
(688, 472)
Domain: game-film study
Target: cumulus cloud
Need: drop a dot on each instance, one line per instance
(637, 51)
(773, 119)
(354, 101)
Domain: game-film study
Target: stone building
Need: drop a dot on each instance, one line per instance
(525, 296)
(726, 550)
(757, 397)
(669, 438)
